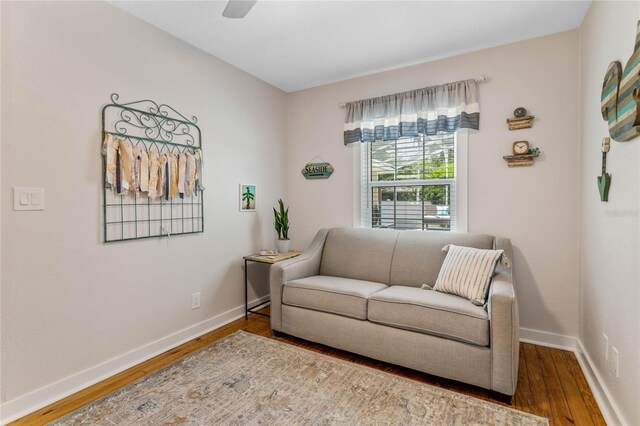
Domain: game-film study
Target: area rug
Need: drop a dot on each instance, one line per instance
(246, 379)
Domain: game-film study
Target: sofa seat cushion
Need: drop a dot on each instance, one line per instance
(430, 312)
(335, 295)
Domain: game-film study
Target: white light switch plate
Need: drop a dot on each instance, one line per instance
(28, 198)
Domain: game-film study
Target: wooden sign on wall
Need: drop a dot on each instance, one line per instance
(621, 95)
(317, 170)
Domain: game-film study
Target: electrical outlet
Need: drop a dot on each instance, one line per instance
(605, 347)
(615, 361)
(195, 300)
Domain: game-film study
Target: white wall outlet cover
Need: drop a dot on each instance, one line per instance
(195, 300)
(605, 346)
(28, 198)
(615, 362)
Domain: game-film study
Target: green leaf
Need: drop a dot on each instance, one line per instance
(281, 220)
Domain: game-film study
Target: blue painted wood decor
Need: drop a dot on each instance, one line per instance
(317, 170)
(621, 95)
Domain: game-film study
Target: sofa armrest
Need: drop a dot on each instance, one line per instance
(305, 265)
(505, 326)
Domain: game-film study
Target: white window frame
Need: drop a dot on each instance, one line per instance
(461, 147)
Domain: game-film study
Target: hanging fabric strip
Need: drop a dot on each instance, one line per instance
(162, 174)
(166, 179)
(154, 171)
(182, 173)
(199, 186)
(427, 111)
(136, 168)
(109, 150)
(126, 165)
(191, 174)
(118, 174)
(173, 175)
(144, 171)
(187, 175)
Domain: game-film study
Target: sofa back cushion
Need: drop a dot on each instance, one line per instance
(359, 253)
(418, 255)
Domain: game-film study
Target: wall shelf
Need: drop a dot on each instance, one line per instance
(521, 160)
(520, 123)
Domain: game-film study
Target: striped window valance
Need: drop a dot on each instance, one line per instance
(428, 111)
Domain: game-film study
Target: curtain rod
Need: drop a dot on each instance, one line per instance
(480, 79)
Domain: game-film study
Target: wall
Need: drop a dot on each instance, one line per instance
(70, 302)
(610, 232)
(535, 206)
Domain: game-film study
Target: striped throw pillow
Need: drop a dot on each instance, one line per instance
(467, 272)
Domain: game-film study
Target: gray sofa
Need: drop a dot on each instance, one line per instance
(359, 290)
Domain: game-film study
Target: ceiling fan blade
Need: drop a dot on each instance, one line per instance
(238, 8)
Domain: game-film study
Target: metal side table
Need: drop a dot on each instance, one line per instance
(270, 260)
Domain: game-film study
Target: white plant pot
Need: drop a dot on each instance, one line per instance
(283, 246)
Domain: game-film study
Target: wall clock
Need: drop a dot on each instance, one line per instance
(520, 147)
(519, 112)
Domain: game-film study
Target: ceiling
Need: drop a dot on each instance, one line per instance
(295, 45)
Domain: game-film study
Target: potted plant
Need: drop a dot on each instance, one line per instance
(281, 225)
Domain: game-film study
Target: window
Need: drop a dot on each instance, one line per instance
(411, 183)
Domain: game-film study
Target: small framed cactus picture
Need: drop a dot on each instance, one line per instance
(247, 198)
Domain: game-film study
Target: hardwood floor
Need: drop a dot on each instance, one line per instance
(550, 381)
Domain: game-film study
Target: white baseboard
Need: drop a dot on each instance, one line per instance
(610, 410)
(544, 338)
(28, 403)
(608, 407)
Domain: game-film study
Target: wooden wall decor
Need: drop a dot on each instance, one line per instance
(520, 119)
(321, 170)
(523, 154)
(604, 180)
(621, 95)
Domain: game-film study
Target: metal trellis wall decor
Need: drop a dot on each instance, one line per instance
(151, 171)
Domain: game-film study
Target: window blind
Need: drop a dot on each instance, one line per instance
(410, 183)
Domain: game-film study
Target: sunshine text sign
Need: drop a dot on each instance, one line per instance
(317, 170)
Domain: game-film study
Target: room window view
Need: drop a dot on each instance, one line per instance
(410, 183)
(290, 212)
